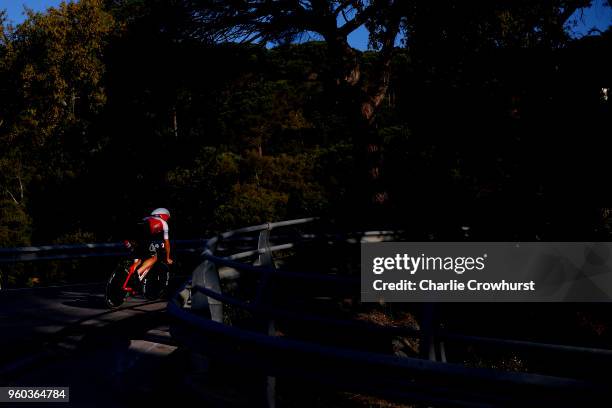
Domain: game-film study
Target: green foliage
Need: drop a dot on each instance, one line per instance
(51, 77)
(234, 190)
(56, 69)
(14, 224)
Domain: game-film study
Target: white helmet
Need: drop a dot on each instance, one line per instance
(162, 213)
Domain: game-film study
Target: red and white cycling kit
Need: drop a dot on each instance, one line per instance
(158, 228)
(150, 236)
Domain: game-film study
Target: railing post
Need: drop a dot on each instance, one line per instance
(431, 348)
(207, 276)
(265, 259)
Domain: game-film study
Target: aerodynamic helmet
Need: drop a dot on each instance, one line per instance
(162, 213)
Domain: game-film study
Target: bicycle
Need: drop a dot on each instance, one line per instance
(153, 286)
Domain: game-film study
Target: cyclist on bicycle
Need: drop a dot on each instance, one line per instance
(153, 237)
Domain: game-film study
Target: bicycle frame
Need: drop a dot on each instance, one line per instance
(137, 262)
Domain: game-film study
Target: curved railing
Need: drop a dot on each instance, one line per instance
(198, 324)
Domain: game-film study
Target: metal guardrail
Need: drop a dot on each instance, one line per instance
(80, 251)
(197, 310)
(75, 251)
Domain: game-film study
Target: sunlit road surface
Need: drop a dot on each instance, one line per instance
(29, 316)
(65, 336)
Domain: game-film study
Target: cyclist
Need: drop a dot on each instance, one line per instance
(152, 237)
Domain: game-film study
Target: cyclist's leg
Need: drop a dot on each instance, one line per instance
(146, 266)
(152, 254)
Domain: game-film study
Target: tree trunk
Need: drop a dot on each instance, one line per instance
(366, 99)
(174, 122)
(372, 98)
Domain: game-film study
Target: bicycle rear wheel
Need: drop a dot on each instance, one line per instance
(115, 295)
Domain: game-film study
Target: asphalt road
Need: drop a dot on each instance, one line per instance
(65, 336)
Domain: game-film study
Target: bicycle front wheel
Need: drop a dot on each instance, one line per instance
(156, 282)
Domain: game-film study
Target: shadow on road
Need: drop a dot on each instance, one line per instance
(87, 302)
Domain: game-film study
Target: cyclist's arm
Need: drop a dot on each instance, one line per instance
(167, 243)
(167, 246)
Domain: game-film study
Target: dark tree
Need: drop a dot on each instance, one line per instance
(334, 21)
(441, 34)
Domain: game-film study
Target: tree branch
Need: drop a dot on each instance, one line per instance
(20, 187)
(360, 19)
(12, 196)
(342, 7)
(570, 8)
